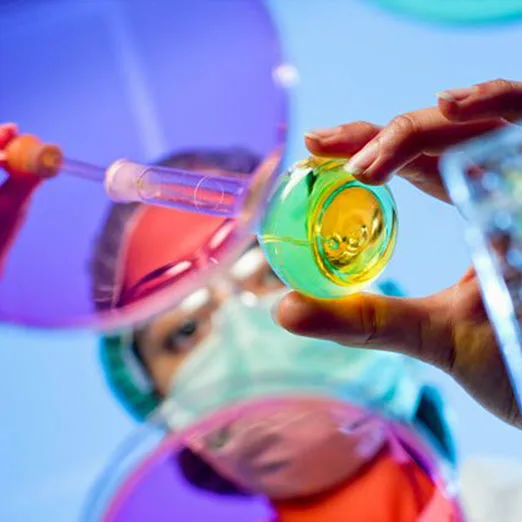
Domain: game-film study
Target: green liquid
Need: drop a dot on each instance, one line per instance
(325, 234)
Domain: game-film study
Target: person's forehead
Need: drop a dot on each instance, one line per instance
(204, 297)
(164, 236)
(170, 233)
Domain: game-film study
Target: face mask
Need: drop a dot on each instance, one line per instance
(249, 357)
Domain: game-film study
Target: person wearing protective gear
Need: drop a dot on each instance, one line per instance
(220, 347)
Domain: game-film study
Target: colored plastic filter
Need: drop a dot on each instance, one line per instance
(324, 233)
(484, 180)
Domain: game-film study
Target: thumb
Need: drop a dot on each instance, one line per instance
(416, 327)
(489, 100)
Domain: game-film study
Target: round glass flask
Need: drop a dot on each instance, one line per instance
(326, 234)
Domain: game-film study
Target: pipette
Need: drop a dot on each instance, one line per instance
(127, 181)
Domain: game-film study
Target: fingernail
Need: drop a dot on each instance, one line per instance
(455, 95)
(321, 134)
(363, 159)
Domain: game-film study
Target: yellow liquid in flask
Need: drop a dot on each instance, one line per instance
(324, 233)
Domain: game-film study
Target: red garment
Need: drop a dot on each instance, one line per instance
(384, 491)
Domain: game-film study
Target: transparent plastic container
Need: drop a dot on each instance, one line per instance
(484, 180)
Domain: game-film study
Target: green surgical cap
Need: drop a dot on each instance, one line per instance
(125, 375)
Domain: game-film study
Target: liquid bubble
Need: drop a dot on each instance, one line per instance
(324, 233)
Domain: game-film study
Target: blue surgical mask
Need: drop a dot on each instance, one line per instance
(249, 357)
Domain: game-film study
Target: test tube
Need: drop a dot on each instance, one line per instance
(207, 193)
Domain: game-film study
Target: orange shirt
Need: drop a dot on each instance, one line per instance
(384, 491)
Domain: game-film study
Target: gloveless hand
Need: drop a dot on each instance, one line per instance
(449, 329)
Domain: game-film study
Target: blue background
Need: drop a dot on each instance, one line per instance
(59, 424)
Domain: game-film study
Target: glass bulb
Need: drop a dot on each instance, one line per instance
(324, 233)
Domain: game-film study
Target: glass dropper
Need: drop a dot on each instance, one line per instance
(126, 181)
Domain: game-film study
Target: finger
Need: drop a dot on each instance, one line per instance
(423, 173)
(417, 327)
(7, 132)
(342, 141)
(408, 136)
(15, 192)
(495, 99)
(345, 140)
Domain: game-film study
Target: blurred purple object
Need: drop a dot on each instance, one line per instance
(148, 483)
(139, 80)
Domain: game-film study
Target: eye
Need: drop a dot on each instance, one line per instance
(184, 336)
(188, 328)
(269, 278)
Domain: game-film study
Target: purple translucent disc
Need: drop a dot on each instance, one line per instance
(195, 79)
(188, 477)
(160, 492)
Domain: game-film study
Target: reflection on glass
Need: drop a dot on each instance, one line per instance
(270, 426)
(144, 248)
(281, 461)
